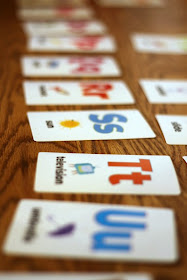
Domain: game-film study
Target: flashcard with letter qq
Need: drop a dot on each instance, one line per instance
(174, 128)
(92, 231)
(165, 91)
(74, 92)
(109, 174)
(88, 125)
(69, 66)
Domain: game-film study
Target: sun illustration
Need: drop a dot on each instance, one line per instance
(69, 123)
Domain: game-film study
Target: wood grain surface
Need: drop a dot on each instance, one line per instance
(19, 152)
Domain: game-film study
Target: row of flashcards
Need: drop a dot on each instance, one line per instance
(108, 232)
(104, 125)
(76, 276)
(102, 92)
(50, 3)
(131, 3)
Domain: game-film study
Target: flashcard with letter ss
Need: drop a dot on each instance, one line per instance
(165, 44)
(89, 44)
(72, 93)
(70, 66)
(174, 128)
(165, 91)
(88, 125)
(93, 231)
(109, 174)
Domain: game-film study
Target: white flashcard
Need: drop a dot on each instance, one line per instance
(174, 128)
(77, 13)
(75, 276)
(131, 3)
(160, 44)
(88, 125)
(108, 174)
(69, 66)
(185, 158)
(165, 91)
(64, 28)
(89, 44)
(93, 231)
(76, 93)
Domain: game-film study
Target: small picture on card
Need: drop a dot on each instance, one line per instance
(67, 13)
(165, 91)
(70, 66)
(88, 125)
(65, 28)
(75, 276)
(108, 174)
(93, 231)
(131, 3)
(76, 93)
(89, 44)
(174, 128)
(160, 44)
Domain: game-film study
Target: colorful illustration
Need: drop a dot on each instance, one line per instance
(60, 90)
(69, 123)
(84, 168)
(60, 231)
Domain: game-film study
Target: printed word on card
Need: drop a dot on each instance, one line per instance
(160, 43)
(80, 28)
(73, 44)
(76, 276)
(174, 128)
(131, 3)
(165, 91)
(73, 93)
(109, 174)
(88, 125)
(92, 231)
(77, 13)
(69, 66)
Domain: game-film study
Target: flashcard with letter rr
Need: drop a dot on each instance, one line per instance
(131, 3)
(90, 44)
(109, 174)
(93, 231)
(174, 128)
(77, 13)
(63, 28)
(76, 276)
(165, 44)
(72, 93)
(70, 66)
(165, 91)
(88, 125)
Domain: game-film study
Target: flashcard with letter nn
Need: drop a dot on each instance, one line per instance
(89, 44)
(109, 174)
(76, 276)
(65, 28)
(93, 231)
(73, 93)
(174, 128)
(165, 91)
(161, 44)
(88, 125)
(70, 66)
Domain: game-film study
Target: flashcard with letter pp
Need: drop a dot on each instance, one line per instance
(93, 231)
(109, 174)
(64, 28)
(165, 91)
(159, 44)
(70, 66)
(174, 128)
(88, 125)
(73, 93)
(89, 44)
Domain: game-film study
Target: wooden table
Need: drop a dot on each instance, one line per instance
(19, 151)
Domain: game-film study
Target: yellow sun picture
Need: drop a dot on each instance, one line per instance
(69, 123)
